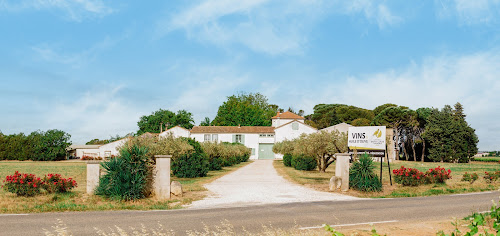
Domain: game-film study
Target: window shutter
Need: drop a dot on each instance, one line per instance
(243, 139)
(234, 138)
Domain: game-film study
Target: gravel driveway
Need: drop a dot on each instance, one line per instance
(259, 183)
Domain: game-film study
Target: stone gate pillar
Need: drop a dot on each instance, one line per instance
(342, 169)
(162, 177)
(93, 175)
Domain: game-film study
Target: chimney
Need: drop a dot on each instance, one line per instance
(239, 125)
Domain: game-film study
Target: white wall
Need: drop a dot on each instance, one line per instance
(287, 133)
(112, 147)
(176, 132)
(278, 122)
(87, 152)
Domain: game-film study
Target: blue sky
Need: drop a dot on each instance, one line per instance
(93, 67)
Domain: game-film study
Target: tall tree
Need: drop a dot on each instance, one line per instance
(450, 138)
(244, 109)
(392, 117)
(205, 122)
(164, 119)
(326, 115)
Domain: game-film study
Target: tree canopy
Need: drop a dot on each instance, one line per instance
(244, 109)
(38, 146)
(162, 120)
(326, 115)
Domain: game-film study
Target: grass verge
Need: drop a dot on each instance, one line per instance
(78, 200)
(320, 181)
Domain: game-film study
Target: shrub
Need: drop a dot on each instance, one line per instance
(128, 176)
(470, 177)
(362, 177)
(437, 175)
(287, 159)
(53, 183)
(227, 154)
(193, 164)
(302, 162)
(90, 158)
(408, 176)
(491, 177)
(22, 184)
(415, 177)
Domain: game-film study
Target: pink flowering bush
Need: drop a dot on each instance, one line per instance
(414, 177)
(491, 176)
(408, 176)
(53, 183)
(437, 175)
(22, 184)
(29, 185)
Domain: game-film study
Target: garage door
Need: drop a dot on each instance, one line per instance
(266, 151)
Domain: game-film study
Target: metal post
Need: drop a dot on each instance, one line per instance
(388, 164)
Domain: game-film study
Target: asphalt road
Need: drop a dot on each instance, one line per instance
(252, 218)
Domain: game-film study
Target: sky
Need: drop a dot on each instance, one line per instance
(93, 67)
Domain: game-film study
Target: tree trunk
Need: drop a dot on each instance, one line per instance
(323, 165)
(423, 150)
(414, 153)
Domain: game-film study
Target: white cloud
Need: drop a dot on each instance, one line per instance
(98, 113)
(206, 89)
(470, 12)
(54, 53)
(75, 10)
(378, 13)
(473, 80)
(270, 27)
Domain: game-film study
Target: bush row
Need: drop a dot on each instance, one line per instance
(37, 146)
(415, 177)
(300, 162)
(29, 185)
(225, 154)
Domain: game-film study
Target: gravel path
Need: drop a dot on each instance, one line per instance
(259, 183)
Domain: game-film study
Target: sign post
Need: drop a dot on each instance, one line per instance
(370, 139)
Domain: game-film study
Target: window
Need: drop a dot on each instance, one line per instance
(239, 138)
(215, 137)
(295, 126)
(207, 138)
(266, 135)
(107, 153)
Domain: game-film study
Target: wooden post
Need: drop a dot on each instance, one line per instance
(162, 177)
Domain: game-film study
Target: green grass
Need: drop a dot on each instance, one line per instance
(487, 159)
(320, 181)
(78, 200)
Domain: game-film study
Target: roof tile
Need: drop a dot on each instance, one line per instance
(231, 129)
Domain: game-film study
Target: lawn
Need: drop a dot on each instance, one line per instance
(320, 181)
(78, 200)
(487, 159)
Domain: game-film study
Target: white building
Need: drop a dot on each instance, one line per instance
(111, 149)
(176, 132)
(260, 139)
(78, 151)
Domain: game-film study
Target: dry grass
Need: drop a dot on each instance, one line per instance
(227, 229)
(78, 200)
(320, 181)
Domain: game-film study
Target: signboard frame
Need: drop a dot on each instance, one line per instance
(370, 138)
